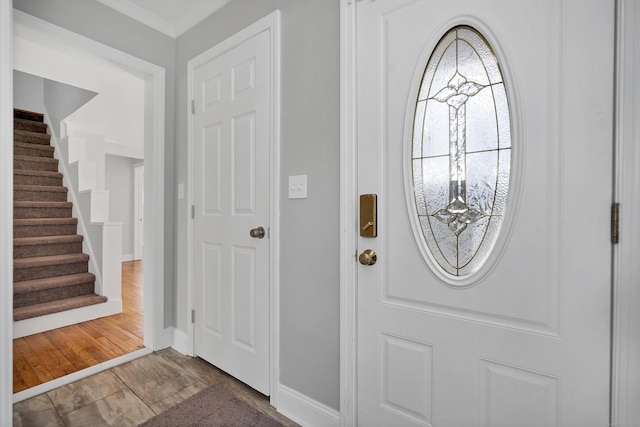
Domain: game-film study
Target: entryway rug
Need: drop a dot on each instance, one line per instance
(214, 406)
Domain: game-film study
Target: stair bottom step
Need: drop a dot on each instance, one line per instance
(43, 309)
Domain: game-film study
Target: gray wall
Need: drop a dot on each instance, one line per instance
(119, 182)
(103, 24)
(309, 299)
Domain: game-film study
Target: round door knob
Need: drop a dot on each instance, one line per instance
(368, 257)
(257, 232)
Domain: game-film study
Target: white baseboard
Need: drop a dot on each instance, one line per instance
(84, 373)
(304, 410)
(36, 325)
(181, 342)
(128, 257)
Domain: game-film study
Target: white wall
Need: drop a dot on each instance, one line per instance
(117, 111)
(28, 92)
(119, 182)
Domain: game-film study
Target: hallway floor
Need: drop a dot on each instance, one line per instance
(43, 357)
(130, 394)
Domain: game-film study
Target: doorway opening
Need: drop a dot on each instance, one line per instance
(152, 305)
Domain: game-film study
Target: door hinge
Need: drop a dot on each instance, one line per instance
(193, 211)
(615, 223)
(193, 106)
(193, 316)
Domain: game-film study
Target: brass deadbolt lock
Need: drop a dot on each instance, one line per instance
(368, 257)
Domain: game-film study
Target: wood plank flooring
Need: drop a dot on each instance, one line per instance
(49, 355)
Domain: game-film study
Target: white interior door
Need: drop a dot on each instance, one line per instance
(231, 197)
(525, 339)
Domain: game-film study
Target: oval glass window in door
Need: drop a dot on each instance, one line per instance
(461, 153)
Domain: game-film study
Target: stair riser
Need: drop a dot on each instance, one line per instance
(44, 230)
(32, 138)
(39, 196)
(48, 295)
(29, 125)
(35, 166)
(28, 251)
(40, 272)
(36, 180)
(33, 151)
(20, 213)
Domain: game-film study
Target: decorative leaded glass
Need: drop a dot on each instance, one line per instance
(461, 151)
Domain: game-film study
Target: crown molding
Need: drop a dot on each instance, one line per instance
(171, 29)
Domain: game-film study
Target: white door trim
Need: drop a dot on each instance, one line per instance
(154, 331)
(348, 209)
(271, 24)
(626, 317)
(6, 212)
(626, 295)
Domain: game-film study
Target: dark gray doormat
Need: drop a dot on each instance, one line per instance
(214, 406)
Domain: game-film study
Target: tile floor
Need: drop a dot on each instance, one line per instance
(130, 394)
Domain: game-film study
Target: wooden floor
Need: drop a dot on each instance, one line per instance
(49, 355)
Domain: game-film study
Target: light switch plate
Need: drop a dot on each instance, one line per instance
(180, 190)
(298, 187)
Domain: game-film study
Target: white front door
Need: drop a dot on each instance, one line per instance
(525, 339)
(232, 198)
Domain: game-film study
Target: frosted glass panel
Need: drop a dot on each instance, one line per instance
(461, 155)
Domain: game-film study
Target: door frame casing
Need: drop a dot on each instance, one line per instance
(626, 324)
(625, 372)
(155, 335)
(271, 24)
(6, 211)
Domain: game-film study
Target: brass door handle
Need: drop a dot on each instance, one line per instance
(368, 257)
(257, 232)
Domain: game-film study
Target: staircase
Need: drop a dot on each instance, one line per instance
(50, 271)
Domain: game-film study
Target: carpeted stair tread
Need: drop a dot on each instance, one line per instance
(35, 150)
(31, 209)
(29, 125)
(46, 240)
(39, 267)
(49, 260)
(27, 115)
(31, 222)
(36, 177)
(34, 204)
(38, 291)
(37, 246)
(43, 309)
(27, 172)
(30, 227)
(36, 138)
(43, 193)
(44, 163)
(52, 282)
(54, 188)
